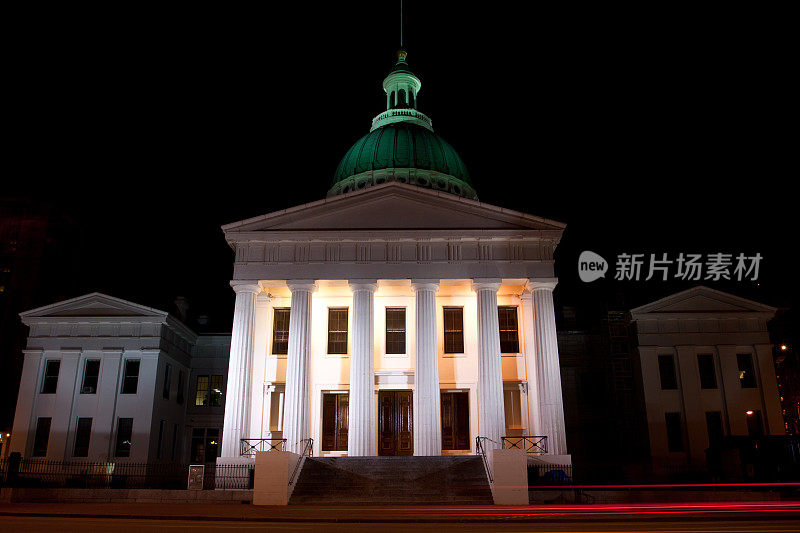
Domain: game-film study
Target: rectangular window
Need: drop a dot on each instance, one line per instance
(205, 445)
(453, 330)
(167, 381)
(337, 331)
(174, 440)
(280, 331)
(747, 376)
(91, 373)
(160, 438)
(124, 436)
(215, 394)
(42, 437)
(50, 381)
(396, 330)
(666, 370)
(674, 432)
(83, 434)
(714, 427)
(201, 396)
(509, 332)
(209, 391)
(130, 379)
(181, 381)
(708, 374)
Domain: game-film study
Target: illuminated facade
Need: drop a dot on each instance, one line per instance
(398, 316)
(707, 373)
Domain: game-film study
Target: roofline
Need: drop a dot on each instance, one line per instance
(165, 317)
(411, 188)
(646, 308)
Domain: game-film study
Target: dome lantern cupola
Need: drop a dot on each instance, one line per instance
(401, 146)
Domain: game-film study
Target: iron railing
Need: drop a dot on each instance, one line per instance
(481, 449)
(307, 451)
(549, 474)
(249, 447)
(49, 473)
(530, 444)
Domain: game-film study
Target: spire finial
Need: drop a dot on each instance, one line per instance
(401, 24)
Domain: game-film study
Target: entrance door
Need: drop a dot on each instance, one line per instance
(455, 421)
(395, 422)
(334, 421)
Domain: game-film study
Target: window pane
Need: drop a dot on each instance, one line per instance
(124, 434)
(50, 382)
(714, 427)
(215, 394)
(747, 376)
(42, 437)
(130, 381)
(666, 370)
(82, 436)
(395, 330)
(453, 330)
(201, 397)
(674, 432)
(337, 331)
(509, 333)
(91, 372)
(708, 375)
(280, 331)
(167, 381)
(181, 380)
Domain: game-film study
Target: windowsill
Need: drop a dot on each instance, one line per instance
(277, 355)
(510, 354)
(396, 355)
(337, 355)
(453, 355)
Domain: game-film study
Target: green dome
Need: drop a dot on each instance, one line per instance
(404, 152)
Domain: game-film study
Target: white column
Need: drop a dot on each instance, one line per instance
(427, 402)
(237, 395)
(361, 416)
(296, 408)
(548, 370)
(534, 426)
(491, 414)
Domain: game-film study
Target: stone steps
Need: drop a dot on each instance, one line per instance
(439, 480)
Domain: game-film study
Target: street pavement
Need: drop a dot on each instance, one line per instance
(765, 517)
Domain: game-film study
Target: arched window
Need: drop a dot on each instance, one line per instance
(401, 100)
(391, 100)
(411, 99)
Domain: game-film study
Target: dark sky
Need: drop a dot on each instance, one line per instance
(645, 130)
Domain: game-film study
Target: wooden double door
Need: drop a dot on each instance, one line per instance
(335, 421)
(455, 421)
(395, 422)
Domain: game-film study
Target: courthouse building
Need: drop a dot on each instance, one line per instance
(399, 315)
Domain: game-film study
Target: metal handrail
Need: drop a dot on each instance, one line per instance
(249, 447)
(530, 444)
(308, 451)
(480, 448)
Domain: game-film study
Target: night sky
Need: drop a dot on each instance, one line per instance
(646, 131)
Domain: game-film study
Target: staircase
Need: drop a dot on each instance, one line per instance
(393, 481)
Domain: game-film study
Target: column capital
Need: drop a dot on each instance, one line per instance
(370, 285)
(486, 284)
(535, 284)
(424, 285)
(246, 286)
(309, 285)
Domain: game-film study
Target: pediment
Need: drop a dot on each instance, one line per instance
(93, 305)
(702, 300)
(394, 206)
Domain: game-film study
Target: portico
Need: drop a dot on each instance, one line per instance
(401, 309)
